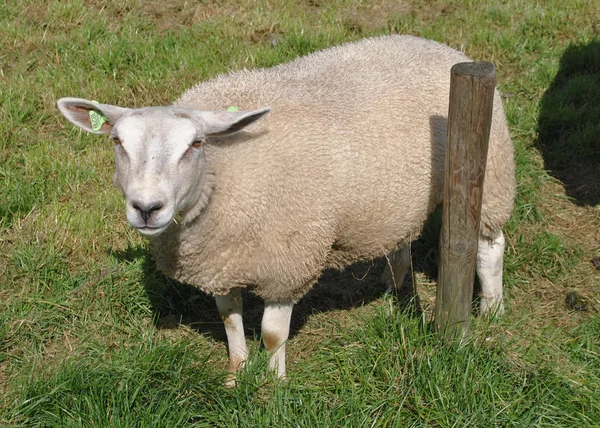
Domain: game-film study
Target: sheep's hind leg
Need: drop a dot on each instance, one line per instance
(275, 331)
(230, 308)
(490, 255)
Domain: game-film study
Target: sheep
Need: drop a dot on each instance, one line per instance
(262, 179)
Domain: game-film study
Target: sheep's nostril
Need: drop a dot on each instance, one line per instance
(146, 210)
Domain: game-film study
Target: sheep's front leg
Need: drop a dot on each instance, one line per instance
(490, 256)
(230, 308)
(275, 331)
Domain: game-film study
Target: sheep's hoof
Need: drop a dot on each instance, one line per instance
(491, 307)
(230, 381)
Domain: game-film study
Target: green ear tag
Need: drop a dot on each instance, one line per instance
(233, 108)
(96, 119)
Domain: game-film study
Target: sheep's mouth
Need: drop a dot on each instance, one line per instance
(150, 230)
(151, 224)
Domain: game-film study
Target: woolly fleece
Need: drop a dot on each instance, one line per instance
(346, 167)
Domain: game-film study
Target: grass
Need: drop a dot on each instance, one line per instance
(393, 371)
(92, 334)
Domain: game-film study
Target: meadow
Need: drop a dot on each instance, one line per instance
(91, 334)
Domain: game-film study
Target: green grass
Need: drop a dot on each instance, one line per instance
(92, 334)
(391, 371)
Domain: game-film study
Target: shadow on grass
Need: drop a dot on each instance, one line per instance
(569, 124)
(175, 303)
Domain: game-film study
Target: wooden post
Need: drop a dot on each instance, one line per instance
(469, 120)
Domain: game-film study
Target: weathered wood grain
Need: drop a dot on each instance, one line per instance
(469, 120)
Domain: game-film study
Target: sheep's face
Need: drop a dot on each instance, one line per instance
(159, 154)
(160, 163)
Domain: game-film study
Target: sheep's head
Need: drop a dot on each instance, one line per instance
(159, 153)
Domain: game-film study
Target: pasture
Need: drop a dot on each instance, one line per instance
(92, 334)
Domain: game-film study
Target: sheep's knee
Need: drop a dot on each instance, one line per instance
(275, 331)
(490, 256)
(230, 308)
(397, 268)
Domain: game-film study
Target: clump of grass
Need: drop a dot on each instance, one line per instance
(153, 383)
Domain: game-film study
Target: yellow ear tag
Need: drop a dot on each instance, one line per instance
(233, 108)
(96, 119)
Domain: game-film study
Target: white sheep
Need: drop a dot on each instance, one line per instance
(346, 167)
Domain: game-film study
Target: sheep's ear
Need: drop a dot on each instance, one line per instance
(221, 123)
(90, 115)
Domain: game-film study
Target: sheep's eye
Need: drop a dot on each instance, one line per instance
(197, 144)
(116, 141)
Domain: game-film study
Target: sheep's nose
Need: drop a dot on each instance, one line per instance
(146, 210)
